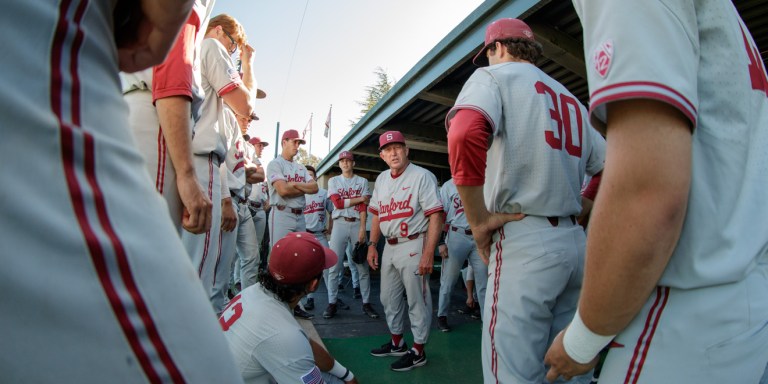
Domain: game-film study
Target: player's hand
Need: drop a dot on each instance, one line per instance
(586, 209)
(146, 30)
(228, 215)
(246, 54)
(560, 364)
(483, 231)
(442, 250)
(196, 214)
(373, 258)
(425, 264)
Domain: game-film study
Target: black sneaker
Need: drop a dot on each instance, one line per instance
(476, 313)
(467, 310)
(330, 311)
(302, 314)
(342, 304)
(341, 287)
(409, 361)
(310, 304)
(387, 349)
(442, 323)
(357, 294)
(368, 310)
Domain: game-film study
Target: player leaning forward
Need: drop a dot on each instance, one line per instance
(523, 204)
(267, 342)
(407, 211)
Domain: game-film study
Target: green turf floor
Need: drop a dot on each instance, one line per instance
(452, 357)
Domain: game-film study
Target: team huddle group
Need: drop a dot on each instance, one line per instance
(153, 215)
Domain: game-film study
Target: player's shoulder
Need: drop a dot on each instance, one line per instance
(422, 172)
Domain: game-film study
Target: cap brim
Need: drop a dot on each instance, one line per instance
(330, 258)
(264, 143)
(260, 94)
(391, 142)
(301, 140)
(481, 60)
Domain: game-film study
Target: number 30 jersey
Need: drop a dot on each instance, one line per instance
(541, 143)
(404, 202)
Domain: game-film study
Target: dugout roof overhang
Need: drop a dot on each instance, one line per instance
(418, 103)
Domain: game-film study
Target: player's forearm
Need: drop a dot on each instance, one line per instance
(286, 190)
(323, 359)
(375, 229)
(308, 188)
(174, 114)
(254, 174)
(434, 230)
(474, 204)
(637, 220)
(239, 100)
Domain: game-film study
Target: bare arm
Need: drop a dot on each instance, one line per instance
(307, 188)
(436, 223)
(239, 99)
(373, 253)
(144, 37)
(647, 178)
(482, 222)
(254, 174)
(246, 60)
(361, 231)
(286, 189)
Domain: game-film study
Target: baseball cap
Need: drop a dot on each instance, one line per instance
(390, 137)
(346, 155)
(292, 134)
(298, 258)
(499, 30)
(256, 140)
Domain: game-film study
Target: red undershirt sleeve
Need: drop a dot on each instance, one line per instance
(590, 192)
(468, 135)
(174, 77)
(337, 201)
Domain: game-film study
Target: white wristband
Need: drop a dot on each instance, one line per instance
(347, 203)
(581, 344)
(341, 372)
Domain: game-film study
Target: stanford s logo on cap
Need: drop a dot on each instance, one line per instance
(602, 58)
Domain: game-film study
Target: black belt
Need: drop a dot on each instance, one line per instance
(254, 205)
(315, 232)
(238, 199)
(295, 211)
(396, 240)
(350, 219)
(457, 229)
(555, 221)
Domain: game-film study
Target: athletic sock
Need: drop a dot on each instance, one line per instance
(397, 340)
(418, 348)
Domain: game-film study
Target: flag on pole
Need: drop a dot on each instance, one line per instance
(307, 127)
(327, 131)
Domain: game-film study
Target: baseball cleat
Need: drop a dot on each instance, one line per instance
(442, 324)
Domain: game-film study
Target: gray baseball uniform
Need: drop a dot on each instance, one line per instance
(461, 247)
(707, 321)
(286, 214)
(403, 205)
(316, 211)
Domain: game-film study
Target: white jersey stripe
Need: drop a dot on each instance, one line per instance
(78, 156)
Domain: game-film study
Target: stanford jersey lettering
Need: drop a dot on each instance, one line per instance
(295, 178)
(314, 206)
(350, 193)
(396, 209)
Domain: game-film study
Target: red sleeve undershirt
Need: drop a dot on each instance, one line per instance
(337, 201)
(590, 192)
(468, 134)
(174, 76)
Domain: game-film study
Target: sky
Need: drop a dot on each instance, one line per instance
(339, 45)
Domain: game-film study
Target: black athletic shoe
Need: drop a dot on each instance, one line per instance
(442, 323)
(467, 310)
(330, 311)
(302, 314)
(409, 361)
(357, 294)
(341, 287)
(387, 349)
(368, 310)
(476, 313)
(310, 304)
(341, 304)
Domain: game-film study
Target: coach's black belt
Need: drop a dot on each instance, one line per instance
(554, 220)
(350, 219)
(460, 230)
(397, 240)
(295, 211)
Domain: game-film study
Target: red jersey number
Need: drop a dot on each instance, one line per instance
(230, 315)
(564, 111)
(756, 69)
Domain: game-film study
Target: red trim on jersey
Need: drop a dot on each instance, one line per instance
(596, 100)
(218, 258)
(434, 210)
(337, 201)
(361, 207)
(395, 176)
(240, 164)
(468, 146)
(590, 192)
(494, 304)
(373, 210)
(644, 341)
(174, 77)
(228, 88)
(85, 162)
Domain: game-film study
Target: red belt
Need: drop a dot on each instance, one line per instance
(295, 211)
(396, 240)
(457, 229)
(350, 219)
(554, 220)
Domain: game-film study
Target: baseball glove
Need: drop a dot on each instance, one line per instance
(360, 253)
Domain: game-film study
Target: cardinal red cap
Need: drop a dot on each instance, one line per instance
(298, 258)
(292, 134)
(390, 137)
(346, 155)
(256, 140)
(499, 30)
